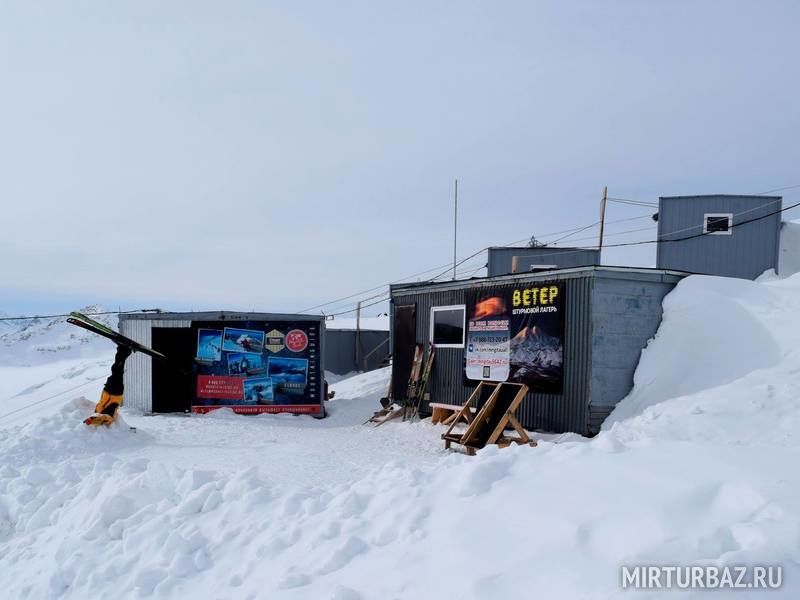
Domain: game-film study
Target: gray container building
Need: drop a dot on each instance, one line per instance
(153, 385)
(348, 351)
(726, 235)
(609, 315)
(504, 260)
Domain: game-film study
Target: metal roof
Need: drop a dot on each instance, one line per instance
(221, 315)
(603, 271)
(526, 248)
(753, 196)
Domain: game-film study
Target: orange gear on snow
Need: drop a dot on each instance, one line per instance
(105, 413)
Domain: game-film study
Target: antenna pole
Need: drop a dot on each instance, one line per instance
(455, 230)
(602, 223)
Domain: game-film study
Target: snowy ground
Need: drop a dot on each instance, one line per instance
(697, 466)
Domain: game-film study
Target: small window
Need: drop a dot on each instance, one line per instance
(718, 223)
(447, 326)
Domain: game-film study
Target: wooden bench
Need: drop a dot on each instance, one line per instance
(488, 426)
(449, 413)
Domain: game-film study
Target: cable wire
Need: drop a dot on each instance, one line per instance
(72, 389)
(91, 314)
(450, 265)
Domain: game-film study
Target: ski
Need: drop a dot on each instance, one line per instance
(412, 409)
(90, 321)
(91, 325)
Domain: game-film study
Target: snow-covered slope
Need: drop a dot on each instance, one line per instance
(9, 326)
(697, 466)
(40, 341)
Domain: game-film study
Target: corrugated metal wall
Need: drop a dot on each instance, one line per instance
(749, 250)
(138, 368)
(501, 259)
(626, 312)
(566, 412)
(340, 357)
(611, 313)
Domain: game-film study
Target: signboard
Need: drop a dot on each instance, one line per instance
(488, 340)
(258, 366)
(516, 334)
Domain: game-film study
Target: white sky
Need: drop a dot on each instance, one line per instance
(271, 156)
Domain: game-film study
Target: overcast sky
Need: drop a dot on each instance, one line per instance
(272, 156)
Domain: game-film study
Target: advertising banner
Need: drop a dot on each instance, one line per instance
(258, 366)
(488, 340)
(516, 334)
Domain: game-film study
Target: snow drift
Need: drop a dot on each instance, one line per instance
(696, 466)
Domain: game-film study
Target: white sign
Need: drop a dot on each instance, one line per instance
(488, 350)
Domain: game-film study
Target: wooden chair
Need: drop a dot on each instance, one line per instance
(488, 426)
(462, 412)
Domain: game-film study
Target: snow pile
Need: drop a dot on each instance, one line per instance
(697, 466)
(28, 392)
(723, 367)
(39, 341)
(789, 249)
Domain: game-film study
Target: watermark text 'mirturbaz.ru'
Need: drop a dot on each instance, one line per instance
(702, 577)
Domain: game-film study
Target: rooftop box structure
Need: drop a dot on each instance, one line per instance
(727, 235)
(574, 336)
(506, 260)
(249, 362)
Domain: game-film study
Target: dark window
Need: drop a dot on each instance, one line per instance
(718, 224)
(447, 325)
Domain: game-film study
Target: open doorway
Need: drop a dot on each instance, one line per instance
(172, 380)
(404, 341)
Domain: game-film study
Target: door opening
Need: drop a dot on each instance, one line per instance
(403, 345)
(172, 380)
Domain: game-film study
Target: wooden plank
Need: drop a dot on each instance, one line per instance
(483, 415)
(504, 421)
(465, 410)
(469, 438)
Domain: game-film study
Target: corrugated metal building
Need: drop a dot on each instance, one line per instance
(153, 386)
(347, 351)
(727, 235)
(609, 315)
(504, 260)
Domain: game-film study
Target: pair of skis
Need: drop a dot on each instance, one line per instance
(420, 376)
(90, 324)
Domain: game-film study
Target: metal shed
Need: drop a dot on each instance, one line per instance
(155, 386)
(609, 314)
(726, 235)
(349, 350)
(506, 260)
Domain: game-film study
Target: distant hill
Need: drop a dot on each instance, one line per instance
(37, 341)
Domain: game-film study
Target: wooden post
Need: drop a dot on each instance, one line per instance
(602, 224)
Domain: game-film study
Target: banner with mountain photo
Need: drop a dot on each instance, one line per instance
(516, 334)
(258, 366)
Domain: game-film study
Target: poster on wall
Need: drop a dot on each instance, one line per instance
(209, 345)
(243, 340)
(516, 334)
(258, 366)
(488, 336)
